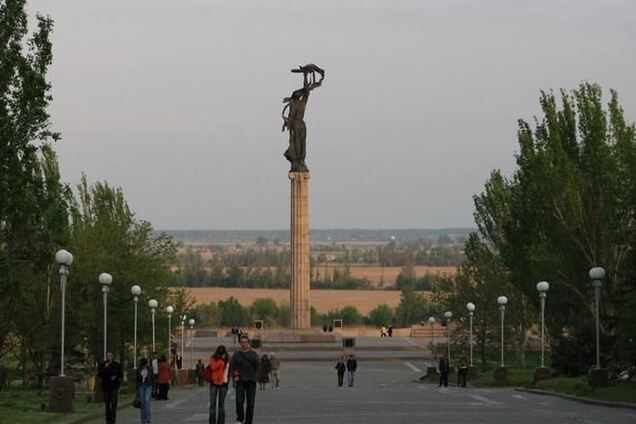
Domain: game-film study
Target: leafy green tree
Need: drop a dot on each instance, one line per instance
(208, 315)
(233, 313)
(569, 206)
(266, 310)
(412, 307)
(381, 315)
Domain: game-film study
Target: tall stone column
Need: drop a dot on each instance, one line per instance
(299, 232)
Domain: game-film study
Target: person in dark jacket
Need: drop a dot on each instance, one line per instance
(110, 373)
(462, 371)
(247, 364)
(199, 372)
(352, 365)
(145, 382)
(340, 369)
(444, 367)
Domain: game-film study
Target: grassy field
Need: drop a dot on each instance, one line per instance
(24, 406)
(523, 376)
(322, 300)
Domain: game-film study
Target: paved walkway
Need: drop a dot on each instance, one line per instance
(384, 393)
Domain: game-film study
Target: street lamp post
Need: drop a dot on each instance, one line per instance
(448, 315)
(105, 280)
(471, 311)
(183, 320)
(65, 259)
(191, 322)
(502, 301)
(169, 311)
(136, 292)
(543, 287)
(152, 304)
(431, 321)
(61, 388)
(597, 274)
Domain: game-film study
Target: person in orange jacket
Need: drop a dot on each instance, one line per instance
(163, 378)
(217, 374)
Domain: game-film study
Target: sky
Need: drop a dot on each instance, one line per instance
(179, 102)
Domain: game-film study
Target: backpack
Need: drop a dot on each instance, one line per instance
(207, 374)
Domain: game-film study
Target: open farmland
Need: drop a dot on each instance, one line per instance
(322, 300)
(378, 274)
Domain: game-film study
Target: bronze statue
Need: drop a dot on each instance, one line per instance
(294, 121)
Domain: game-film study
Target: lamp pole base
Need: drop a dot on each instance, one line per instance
(61, 394)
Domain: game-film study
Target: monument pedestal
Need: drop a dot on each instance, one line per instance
(61, 394)
(299, 234)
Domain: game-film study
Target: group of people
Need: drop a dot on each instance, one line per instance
(444, 368)
(386, 332)
(349, 366)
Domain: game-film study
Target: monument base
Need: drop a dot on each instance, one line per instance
(542, 373)
(501, 376)
(61, 394)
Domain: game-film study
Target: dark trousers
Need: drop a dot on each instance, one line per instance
(217, 396)
(340, 379)
(245, 390)
(163, 392)
(110, 400)
(443, 378)
(461, 377)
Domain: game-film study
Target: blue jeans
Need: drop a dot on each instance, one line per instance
(144, 393)
(350, 377)
(217, 392)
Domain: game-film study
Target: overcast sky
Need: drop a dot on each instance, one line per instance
(178, 102)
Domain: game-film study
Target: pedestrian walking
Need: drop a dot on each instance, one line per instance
(145, 382)
(266, 368)
(383, 331)
(275, 373)
(340, 369)
(217, 374)
(462, 371)
(199, 372)
(247, 364)
(111, 374)
(154, 362)
(444, 368)
(164, 378)
(390, 331)
(352, 365)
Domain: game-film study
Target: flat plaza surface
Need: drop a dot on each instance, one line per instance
(384, 392)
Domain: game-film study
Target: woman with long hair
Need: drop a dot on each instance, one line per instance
(145, 383)
(217, 372)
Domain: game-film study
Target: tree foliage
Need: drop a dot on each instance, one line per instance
(569, 206)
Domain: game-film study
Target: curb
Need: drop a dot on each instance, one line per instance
(589, 401)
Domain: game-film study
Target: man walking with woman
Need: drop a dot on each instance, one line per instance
(246, 364)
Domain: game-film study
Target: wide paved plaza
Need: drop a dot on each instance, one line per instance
(384, 392)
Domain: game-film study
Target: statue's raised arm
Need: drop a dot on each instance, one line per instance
(294, 121)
